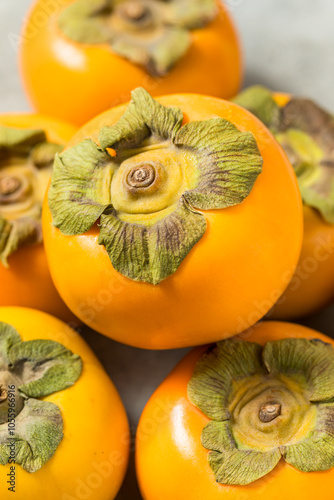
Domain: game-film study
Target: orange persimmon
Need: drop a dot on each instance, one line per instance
(266, 416)
(24, 274)
(64, 432)
(306, 133)
(74, 68)
(171, 262)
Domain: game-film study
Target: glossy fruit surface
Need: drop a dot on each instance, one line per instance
(27, 281)
(227, 282)
(92, 457)
(171, 461)
(76, 81)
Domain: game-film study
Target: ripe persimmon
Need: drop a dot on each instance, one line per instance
(306, 133)
(63, 428)
(80, 58)
(243, 419)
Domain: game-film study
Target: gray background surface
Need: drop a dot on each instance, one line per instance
(289, 46)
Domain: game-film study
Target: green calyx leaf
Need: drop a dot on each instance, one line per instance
(148, 193)
(196, 14)
(231, 465)
(259, 101)
(43, 154)
(38, 433)
(265, 404)
(306, 133)
(17, 233)
(210, 386)
(151, 254)
(47, 367)
(30, 370)
(42, 366)
(151, 33)
(82, 21)
(26, 160)
(8, 337)
(159, 57)
(19, 141)
(144, 118)
(316, 452)
(229, 162)
(80, 187)
(313, 359)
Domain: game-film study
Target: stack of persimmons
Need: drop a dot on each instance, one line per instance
(149, 200)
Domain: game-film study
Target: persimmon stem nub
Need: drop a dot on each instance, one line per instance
(269, 412)
(9, 185)
(141, 177)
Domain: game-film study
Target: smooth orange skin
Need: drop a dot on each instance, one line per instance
(77, 82)
(172, 463)
(27, 281)
(312, 287)
(92, 458)
(227, 282)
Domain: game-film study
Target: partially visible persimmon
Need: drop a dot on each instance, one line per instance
(243, 419)
(306, 133)
(80, 58)
(28, 144)
(64, 432)
(175, 224)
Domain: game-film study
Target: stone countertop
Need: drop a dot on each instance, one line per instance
(288, 46)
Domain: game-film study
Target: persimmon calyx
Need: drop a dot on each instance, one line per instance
(154, 34)
(30, 370)
(266, 403)
(149, 193)
(306, 133)
(26, 160)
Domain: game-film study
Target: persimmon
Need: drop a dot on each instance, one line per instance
(28, 144)
(82, 57)
(63, 428)
(163, 235)
(243, 419)
(306, 133)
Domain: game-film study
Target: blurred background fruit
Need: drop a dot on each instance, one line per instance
(28, 144)
(86, 57)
